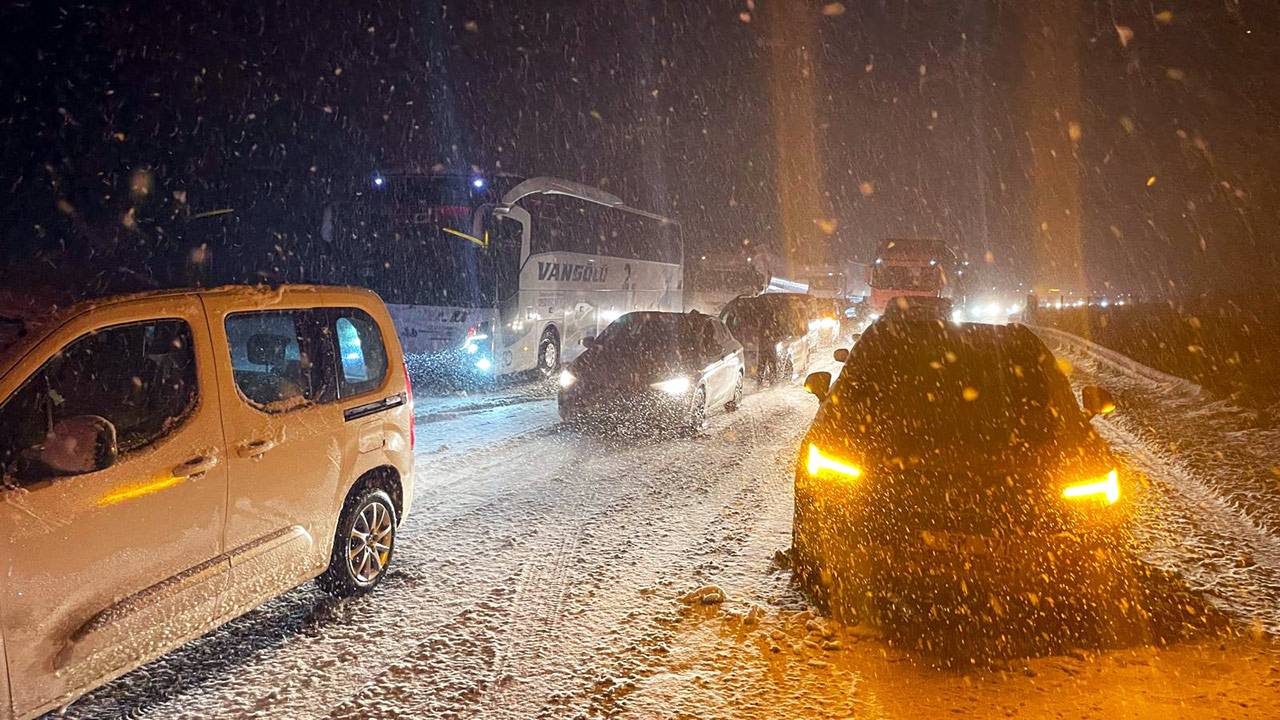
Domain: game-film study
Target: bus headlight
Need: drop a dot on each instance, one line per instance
(1106, 489)
(483, 364)
(567, 378)
(674, 386)
(472, 343)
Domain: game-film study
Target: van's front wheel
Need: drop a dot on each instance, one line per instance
(363, 545)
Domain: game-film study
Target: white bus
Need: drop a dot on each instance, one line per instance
(494, 276)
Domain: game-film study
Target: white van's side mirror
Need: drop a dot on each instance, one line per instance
(78, 445)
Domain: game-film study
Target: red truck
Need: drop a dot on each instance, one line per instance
(909, 267)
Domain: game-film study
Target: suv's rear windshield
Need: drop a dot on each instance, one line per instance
(926, 384)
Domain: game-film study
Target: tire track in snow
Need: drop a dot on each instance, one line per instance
(537, 609)
(599, 534)
(622, 525)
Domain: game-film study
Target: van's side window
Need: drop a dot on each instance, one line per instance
(141, 377)
(277, 359)
(362, 356)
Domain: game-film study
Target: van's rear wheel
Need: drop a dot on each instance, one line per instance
(363, 545)
(549, 352)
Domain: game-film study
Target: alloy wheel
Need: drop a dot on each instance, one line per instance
(369, 544)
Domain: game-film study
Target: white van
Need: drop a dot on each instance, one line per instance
(171, 460)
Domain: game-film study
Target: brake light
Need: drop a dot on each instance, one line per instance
(408, 395)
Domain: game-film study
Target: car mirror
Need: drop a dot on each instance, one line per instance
(78, 445)
(588, 342)
(1096, 401)
(818, 383)
(841, 355)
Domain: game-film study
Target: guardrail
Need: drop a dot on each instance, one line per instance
(1118, 361)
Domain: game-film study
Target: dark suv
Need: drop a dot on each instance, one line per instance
(949, 465)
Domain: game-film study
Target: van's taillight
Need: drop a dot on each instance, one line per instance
(408, 392)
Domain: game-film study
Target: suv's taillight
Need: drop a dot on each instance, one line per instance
(408, 394)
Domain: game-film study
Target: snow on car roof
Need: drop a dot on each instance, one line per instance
(24, 314)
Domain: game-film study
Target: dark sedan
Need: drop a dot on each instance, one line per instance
(951, 466)
(666, 368)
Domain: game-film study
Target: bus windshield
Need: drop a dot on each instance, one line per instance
(411, 239)
(924, 278)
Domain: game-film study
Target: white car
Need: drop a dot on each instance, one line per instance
(171, 460)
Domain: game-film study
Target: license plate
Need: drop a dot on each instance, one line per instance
(957, 542)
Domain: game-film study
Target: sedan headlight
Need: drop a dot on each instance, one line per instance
(1106, 488)
(674, 386)
(567, 378)
(819, 464)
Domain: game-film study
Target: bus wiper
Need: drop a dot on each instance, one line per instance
(482, 242)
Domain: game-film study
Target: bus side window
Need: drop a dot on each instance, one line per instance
(545, 229)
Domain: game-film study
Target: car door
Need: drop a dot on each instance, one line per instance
(104, 568)
(730, 359)
(284, 444)
(711, 355)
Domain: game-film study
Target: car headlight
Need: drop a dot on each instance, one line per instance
(819, 464)
(674, 386)
(484, 364)
(567, 378)
(1106, 488)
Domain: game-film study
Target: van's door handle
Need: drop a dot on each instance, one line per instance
(254, 448)
(195, 467)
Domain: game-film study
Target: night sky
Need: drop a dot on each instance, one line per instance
(1078, 143)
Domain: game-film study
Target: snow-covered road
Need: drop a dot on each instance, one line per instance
(541, 571)
(534, 557)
